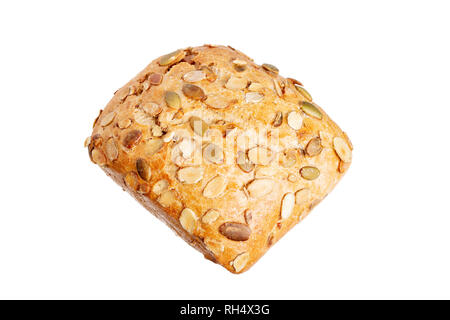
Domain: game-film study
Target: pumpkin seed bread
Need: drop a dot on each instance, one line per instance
(226, 152)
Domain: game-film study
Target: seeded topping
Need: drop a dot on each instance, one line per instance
(213, 153)
(240, 261)
(188, 220)
(143, 169)
(314, 147)
(260, 155)
(210, 75)
(342, 149)
(190, 175)
(217, 101)
(186, 147)
(288, 158)
(194, 92)
(311, 110)
(132, 138)
(302, 196)
(343, 166)
(143, 188)
(111, 150)
(277, 88)
(278, 120)
(235, 83)
(304, 93)
(260, 187)
(215, 187)
(253, 97)
(155, 79)
(309, 173)
(107, 119)
(295, 120)
(168, 198)
(211, 216)
(239, 65)
(255, 86)
(143, 118)
(160, 186)
(198, 126)
(244, 163)
(124, 123)
(248, 216)
(172, 58)
(131, 180)
(235, 231)
(270, 68)
(287, 205)
(194, 76)
(153, 146)
(98, 157)
(172, 99)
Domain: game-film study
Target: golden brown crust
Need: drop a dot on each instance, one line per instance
(228, 153)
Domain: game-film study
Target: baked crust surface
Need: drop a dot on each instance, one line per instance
(226, 152)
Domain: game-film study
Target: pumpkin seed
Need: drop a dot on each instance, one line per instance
(210, 75)
(155, 79)
(215, 187)
(153, 146)
(255, 86)
(240, 261)
(278, 120)
(143, 188)
(288, 158)
(235, 83)
(277, 87)
(98, 157)
(235, 231)
(253, 97)
(260, 187)
(260, 155)
(107, 119)
(143, 169)
(309, 172)
(211, 216)
(171, 58)
(172, 99)
(303, 92)
(190, 175)
(343, 166)
(270, 67)
(124, 123)
(213, 153)
(169, 198)
(311, 110)
(244, 163)
(111, 150)
(342, 149)
(302, 196)
(132, 138)
(198, 126)
(160, 186)
(194, 76)
(314, 147)
(295, 120)
(239, 65)
(287, 205)
(188, 220)
(194, 92)
(131, 180)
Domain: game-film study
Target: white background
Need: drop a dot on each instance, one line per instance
(380, 69)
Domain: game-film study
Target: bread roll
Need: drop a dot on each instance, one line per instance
(226, 152)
